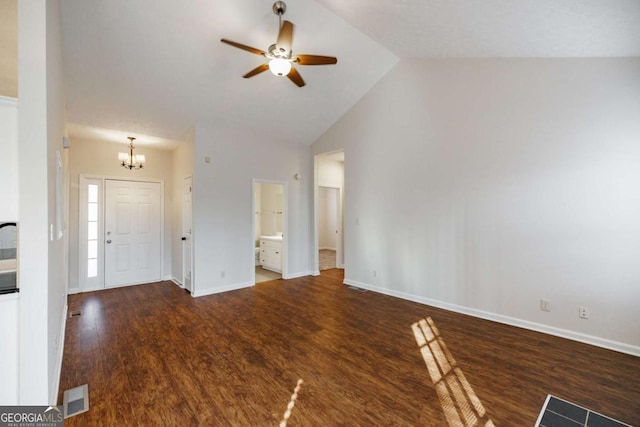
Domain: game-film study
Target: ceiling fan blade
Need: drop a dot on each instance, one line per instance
(285, 38)
(259, 69)
(316, 60)
(244, 47)
(295, 77)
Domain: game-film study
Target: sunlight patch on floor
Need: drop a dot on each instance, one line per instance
(292, 402)
(458, 400)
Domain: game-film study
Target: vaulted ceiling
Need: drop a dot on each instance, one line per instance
(155, 68)
(497, 28)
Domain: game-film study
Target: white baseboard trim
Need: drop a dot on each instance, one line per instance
(211, 291)
(177, 282)
(316, 273)
(167, 277)
(78, 290)
(55, 386)
(507, 320)
(121, 286)
(296, 275)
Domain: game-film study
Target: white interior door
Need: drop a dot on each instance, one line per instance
(187, 215)
(330, 221)
(328, 212)
(132, 233)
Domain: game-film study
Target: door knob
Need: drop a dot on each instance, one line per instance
(184, 238)
(109, 241)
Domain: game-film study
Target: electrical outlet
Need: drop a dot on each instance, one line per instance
(545, 305)
(583, 312)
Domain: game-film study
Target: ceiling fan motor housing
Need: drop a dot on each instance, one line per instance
(274, 52)
(279, 8)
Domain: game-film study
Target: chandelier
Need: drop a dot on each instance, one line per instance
(130, 160)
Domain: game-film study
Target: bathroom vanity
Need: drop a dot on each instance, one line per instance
(271, 253)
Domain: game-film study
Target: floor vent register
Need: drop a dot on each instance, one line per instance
(560, 413)
(76, 401)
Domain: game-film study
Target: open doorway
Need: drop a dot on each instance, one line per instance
(328, 228)
(329, 200)
(269, 230)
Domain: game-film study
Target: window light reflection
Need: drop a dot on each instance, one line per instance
(292, 402)
(458, 400)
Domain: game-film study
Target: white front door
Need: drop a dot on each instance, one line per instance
(186, 233)
(132, 232)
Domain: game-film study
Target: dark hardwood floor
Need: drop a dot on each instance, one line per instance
(152, 355)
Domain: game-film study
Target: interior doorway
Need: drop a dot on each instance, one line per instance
(269, 238)
(328, 218)
(328, 226)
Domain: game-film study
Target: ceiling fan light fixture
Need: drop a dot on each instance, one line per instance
(279, 66)
(280, 54)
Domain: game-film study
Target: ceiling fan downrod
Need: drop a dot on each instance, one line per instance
(279, 8)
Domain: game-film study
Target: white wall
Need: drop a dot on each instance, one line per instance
(271, 209)
(9, 213)
(42, 260)
(97, 158)
(9, 159)
(222, 204)
(59, 247)
(9, 48)
(9, 353)
(330, 172)
(486, 185)
(183, 158)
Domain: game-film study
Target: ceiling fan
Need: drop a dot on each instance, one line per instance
(280, 56)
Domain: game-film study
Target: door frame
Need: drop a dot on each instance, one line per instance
(82, 231)
(285, 226)
(340, 263)
(184, 281)
(338, 225)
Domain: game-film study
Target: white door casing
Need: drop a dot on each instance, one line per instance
(132, 238)
(187, 217)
